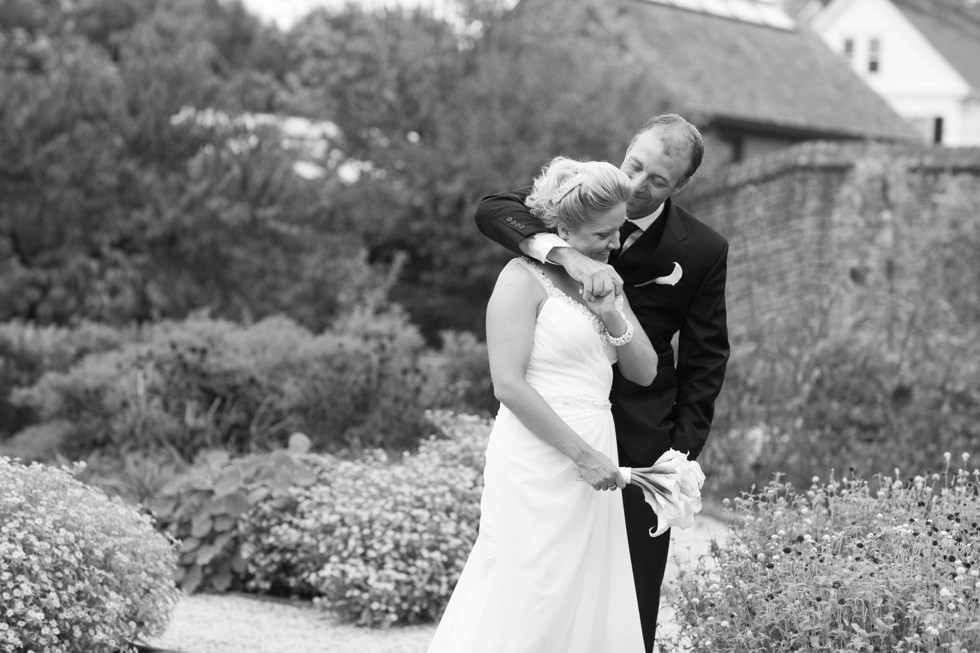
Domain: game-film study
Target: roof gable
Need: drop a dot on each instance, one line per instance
(764, 12)
(953, 29)
(731, 69)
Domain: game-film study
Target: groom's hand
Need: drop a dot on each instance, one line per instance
(598, 279)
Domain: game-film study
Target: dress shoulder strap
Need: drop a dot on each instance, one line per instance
(539, 274)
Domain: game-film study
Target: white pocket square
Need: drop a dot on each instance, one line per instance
(669, 280)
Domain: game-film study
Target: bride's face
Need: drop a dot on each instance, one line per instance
(600, 236)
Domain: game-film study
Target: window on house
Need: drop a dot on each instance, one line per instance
(738, 148)
(849, 49)
(874, 56)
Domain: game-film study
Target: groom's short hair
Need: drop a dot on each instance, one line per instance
(676, 133)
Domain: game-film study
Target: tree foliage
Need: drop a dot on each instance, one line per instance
(447, 111)
(134, 186)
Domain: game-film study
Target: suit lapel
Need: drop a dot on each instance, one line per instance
(643, 262)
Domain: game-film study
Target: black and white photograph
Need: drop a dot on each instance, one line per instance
(489, 326)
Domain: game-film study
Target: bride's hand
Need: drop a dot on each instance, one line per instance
(599, 471)
(596, 277)
(605, 305)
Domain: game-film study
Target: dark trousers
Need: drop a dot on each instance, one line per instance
(648, 556)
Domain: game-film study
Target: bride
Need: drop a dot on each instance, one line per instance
(550, 570)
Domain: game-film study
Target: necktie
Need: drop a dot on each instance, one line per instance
(627, 230)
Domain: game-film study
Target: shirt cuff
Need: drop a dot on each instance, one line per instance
(538, 245)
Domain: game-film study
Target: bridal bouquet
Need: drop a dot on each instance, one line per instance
(672, 487)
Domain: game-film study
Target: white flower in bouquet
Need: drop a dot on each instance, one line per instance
(672, 487)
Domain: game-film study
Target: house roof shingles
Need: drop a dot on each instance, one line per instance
(723, 68)
(953, 28)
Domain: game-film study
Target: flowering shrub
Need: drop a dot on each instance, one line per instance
(78, 571)
(383, 541)
(847, 565)
(462, 440)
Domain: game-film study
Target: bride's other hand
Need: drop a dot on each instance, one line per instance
(599, 471)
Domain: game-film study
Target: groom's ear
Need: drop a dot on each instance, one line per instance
(681, 186)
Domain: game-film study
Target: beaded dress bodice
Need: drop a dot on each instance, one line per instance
(571, 360)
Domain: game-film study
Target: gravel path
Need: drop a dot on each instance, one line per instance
(237, 623)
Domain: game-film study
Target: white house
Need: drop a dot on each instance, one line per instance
(922, 56)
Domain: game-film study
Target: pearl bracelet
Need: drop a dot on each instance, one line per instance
(623, 339)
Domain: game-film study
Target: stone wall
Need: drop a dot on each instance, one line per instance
(778, 210)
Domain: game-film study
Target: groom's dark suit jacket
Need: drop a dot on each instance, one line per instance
(677, 408)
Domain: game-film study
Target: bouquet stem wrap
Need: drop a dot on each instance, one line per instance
(672, 487)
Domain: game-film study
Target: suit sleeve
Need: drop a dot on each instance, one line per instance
(504, 219)
(702, 356)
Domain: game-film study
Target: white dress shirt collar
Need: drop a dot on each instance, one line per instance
(645, 222)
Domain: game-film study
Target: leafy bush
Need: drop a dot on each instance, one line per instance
(884, 565)
(208, 384)
(204, 508)
(458, 374)
(382, 542)
(78, 571)
(838, 403)
(392, 414)
(136, 477)
(27, 351)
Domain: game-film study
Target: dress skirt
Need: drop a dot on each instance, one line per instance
(550, 570)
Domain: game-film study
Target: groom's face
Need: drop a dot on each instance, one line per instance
(655, 173)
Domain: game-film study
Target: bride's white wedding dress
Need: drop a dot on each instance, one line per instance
(550, 570)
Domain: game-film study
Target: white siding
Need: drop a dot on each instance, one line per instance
(913, 77)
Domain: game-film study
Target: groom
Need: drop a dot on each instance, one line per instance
(672, 268)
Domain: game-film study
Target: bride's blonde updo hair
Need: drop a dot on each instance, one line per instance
(569, 193)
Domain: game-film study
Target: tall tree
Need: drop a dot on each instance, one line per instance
(446, 109)
(124, 194)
